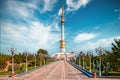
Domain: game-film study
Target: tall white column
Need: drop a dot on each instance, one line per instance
(62, 35)
(62, 41)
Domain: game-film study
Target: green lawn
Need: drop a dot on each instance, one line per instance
(18, 69)
(113, 74)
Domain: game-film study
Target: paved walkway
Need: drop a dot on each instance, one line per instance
(60, 70)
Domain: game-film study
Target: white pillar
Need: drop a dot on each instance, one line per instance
(90, 63)
(62, 42)
(35, 59)
(26, 65)
(62, 35)
(12, 64)
(83, 61)
(100, 67)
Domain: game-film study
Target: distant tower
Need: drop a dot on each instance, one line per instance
(62, 41)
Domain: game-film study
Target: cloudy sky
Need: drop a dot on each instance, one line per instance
(34, 24)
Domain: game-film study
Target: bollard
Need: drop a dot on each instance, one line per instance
(13, 74)
(94, 75)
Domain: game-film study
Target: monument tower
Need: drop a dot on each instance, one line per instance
(62, 55)
(62, 41)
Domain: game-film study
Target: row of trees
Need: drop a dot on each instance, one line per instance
(42, 58)
(110, 60)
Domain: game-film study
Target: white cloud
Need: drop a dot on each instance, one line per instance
(104, 43)
(55, 27)
(36, 36)
(26, 9)
(97, 27)
(117, 10)
(45, 5)
(49, 4)
(60, 12)
(73, 5)
(20, 10)
(84, 37)
(32, 34)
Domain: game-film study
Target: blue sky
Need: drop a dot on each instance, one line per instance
(34, 24)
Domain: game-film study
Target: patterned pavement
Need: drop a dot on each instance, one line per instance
(60, 70)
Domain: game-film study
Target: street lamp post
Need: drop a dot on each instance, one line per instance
(75, 59)
(79, 61)
(12, 50)
(99, 51)
(35, 59)
(93, 64)
(83, 61)
(45, 58)
(26, 55)
(90, 55)
(40, 59)
(80, 58)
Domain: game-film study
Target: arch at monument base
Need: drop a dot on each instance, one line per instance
(63, 56)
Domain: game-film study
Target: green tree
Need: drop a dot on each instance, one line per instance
(114, 57)
(2, 63)
(3, 59)
(43, 55)
(42, 51)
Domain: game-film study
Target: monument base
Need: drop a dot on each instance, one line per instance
(61, 56)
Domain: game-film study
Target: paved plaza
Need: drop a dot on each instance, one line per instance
(60, 70)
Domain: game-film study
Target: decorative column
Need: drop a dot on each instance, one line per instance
(62, 41)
